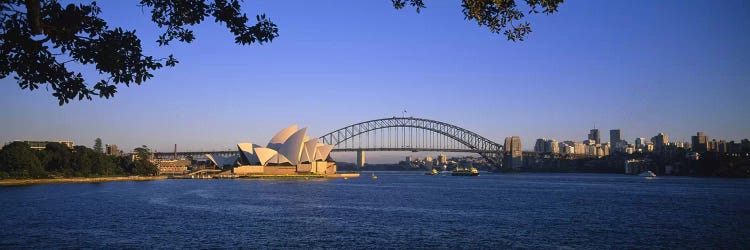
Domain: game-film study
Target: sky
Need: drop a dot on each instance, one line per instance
(644, 67)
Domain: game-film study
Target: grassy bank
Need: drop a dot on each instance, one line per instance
(19, 182)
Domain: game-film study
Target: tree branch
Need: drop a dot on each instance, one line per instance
(34, 15)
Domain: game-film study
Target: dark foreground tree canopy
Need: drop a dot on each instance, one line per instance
(39, 38)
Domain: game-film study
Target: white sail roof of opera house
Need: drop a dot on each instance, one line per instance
(247, 153)
(308, 150)
(322, 151)
(280, 137)
(292, 147)
(289, 145)
(264, 154)
(221, 161)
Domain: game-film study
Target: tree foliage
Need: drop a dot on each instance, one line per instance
(142, 166)
(17, 159)
(143, 152)
(499, 16)
(39, 38)
(98, 145)
(57, 158)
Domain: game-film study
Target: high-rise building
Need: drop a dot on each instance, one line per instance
(591, 150)
(111, 149)
(615, 136)
(442, 159)
(700, 142)
(606, 148)
(579, 148)
(660, 141)
(540, 145)
(722, 146)
(713, 145)
(513, 153)
(649, 146)
(507, 145)
(630, 149)
(640, 142)
(595, 135)
(552, 147)
(615, 141)
(513, 145)
(566, 149)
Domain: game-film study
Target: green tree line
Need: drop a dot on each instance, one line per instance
(18, 160)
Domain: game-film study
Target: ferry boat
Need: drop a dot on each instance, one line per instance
(432, 172)
(647, 174)
(465, 172)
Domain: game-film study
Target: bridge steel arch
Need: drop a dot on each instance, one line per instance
(475, 143)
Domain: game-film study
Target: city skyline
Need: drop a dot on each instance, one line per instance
(656, 73)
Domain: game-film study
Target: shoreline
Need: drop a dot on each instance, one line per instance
(23, 182)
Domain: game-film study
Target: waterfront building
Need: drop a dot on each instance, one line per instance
(595, 135)
(39, 145)
(429, 163)
(700, 142)
(290, 151)
(171, 167)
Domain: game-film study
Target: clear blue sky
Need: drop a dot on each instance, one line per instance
(642, 66)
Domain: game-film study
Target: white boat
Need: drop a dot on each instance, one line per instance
(647, 174)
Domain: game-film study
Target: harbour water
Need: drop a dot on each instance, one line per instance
(398, 210)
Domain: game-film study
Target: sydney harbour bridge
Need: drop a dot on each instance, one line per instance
(395, 134)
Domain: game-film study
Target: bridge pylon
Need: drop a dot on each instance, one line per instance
(360, 158)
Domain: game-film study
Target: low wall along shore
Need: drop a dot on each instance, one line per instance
(18, 182)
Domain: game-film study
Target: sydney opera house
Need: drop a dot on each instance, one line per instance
(289, 152)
